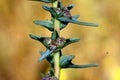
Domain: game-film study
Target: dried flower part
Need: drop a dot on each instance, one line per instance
(58, 10)
(48, 41)
(53, 47)
(64, 11)
(54, 78)
(59, 42)
(48, 77)
(53, 44)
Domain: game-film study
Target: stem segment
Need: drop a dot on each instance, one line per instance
(57, 64)
(57, 54)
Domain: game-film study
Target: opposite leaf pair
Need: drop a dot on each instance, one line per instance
(66, 62)
(63, 15)
(53, 45)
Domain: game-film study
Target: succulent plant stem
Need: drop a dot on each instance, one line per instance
(61, 16)
(56, 54)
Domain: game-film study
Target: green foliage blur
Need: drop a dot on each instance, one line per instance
(19, 54)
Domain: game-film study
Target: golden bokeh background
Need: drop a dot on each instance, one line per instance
(19, 53)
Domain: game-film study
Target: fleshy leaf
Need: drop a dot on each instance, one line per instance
(45, 55)
(59, 4)
(45, 24)
(51, 10)
(82, 66)
(76, 16)
(52, 70)
(70, 6)
(61, 14)
(63, 25)
(71, 40)
(46, 1)
(49, 58)
(65, 61)
(41, 39)
(55, 35)
(64, 19)
(36, 37)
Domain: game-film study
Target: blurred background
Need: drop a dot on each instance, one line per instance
(19, 53)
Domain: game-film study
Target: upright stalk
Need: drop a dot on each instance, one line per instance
(57, 54)
(57, 64)
(61, 16)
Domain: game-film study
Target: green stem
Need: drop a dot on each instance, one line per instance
(57, 54)
(57, 64)
(55, 4)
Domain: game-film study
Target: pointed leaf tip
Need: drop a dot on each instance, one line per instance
(71, 40)
(51, 10)
(38, 38)
(82, 66)
(66, 60)
(55, 35)
(75, 16)
(45, 55)
(70, 6)
(33, 36)
(64, 19)
(74, 39)
(45, 24)
(49, 58)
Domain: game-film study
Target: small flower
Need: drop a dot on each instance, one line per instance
(48, 77)
(53, 47)
(64, 11)
(58, 43)
(48, 40)
(53, 44)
